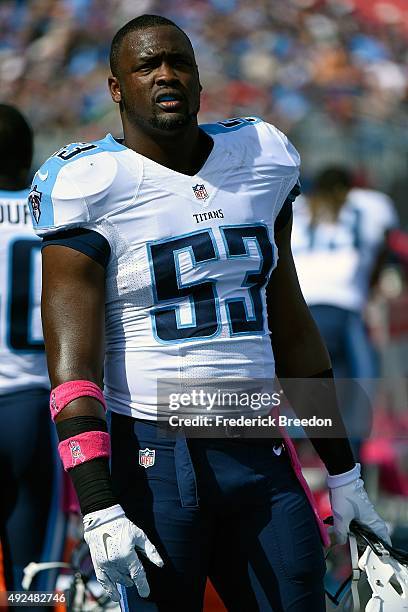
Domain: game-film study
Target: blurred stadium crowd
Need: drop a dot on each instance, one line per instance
(330, 73)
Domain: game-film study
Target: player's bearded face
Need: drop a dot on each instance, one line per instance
(162, 88)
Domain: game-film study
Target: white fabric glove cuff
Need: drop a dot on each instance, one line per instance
(100, 517)
(339, 480)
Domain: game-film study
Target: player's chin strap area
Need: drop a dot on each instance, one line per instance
(386, 569)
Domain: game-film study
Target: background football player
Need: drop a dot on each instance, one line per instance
(30, 477)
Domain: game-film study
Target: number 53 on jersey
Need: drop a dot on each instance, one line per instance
(189, 284)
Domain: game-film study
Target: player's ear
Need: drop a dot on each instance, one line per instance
(114, 88)
(198, 79)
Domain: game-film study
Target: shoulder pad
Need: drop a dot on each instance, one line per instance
(75, 176)
(265, 147)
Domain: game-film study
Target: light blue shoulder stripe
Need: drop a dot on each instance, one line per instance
(39, 199)
(229, 125)
(110, 144)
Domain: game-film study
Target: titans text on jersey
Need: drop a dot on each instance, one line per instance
(183, 301)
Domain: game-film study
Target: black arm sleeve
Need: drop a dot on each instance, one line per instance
(85, 241)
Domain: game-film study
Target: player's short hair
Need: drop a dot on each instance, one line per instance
(16, 141)
(331, 178)
(138, 23)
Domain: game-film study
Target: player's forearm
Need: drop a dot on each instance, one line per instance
(298, 347)
(308, 383)
(316, 396)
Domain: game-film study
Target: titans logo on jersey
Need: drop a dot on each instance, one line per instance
(183, 301)
(34, 200)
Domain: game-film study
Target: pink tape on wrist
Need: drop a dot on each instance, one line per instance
(84, 447)
(68, 391)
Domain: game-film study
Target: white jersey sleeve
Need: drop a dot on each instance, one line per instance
(76, 187)
(278, 157)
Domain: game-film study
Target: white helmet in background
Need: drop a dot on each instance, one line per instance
(386, 570)
(377, 568)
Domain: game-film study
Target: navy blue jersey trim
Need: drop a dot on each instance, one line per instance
(83, 240)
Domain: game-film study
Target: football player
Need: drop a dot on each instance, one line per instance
(160, 260)
(30, 523)
(338, 242)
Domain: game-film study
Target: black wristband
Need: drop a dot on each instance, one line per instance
(92, 480)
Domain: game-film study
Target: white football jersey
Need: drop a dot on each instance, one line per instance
(190, 255)
(334, 261)
(22, 357)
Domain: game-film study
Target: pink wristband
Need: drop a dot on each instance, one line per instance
(84, 447)
(68, 391)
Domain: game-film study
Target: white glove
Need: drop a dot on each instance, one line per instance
(349, 501)
(112, 539)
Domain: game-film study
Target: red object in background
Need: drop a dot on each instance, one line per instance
(383, 11)
(398, 243)
(2, 578)
(398, 317)
(322, 503)
(212, 601)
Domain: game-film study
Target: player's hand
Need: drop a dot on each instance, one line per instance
(112, 539)
(349, 501)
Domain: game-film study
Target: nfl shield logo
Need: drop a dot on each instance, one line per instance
(200, 192)
(147, 457)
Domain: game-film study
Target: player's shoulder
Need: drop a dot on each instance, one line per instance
(260, 139)
(375, 206)
(77, 174)
(370, 200)
(76, 161)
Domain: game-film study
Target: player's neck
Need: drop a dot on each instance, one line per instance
(184, 152)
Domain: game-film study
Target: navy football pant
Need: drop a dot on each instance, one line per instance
(31, 523)
(231, 509)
